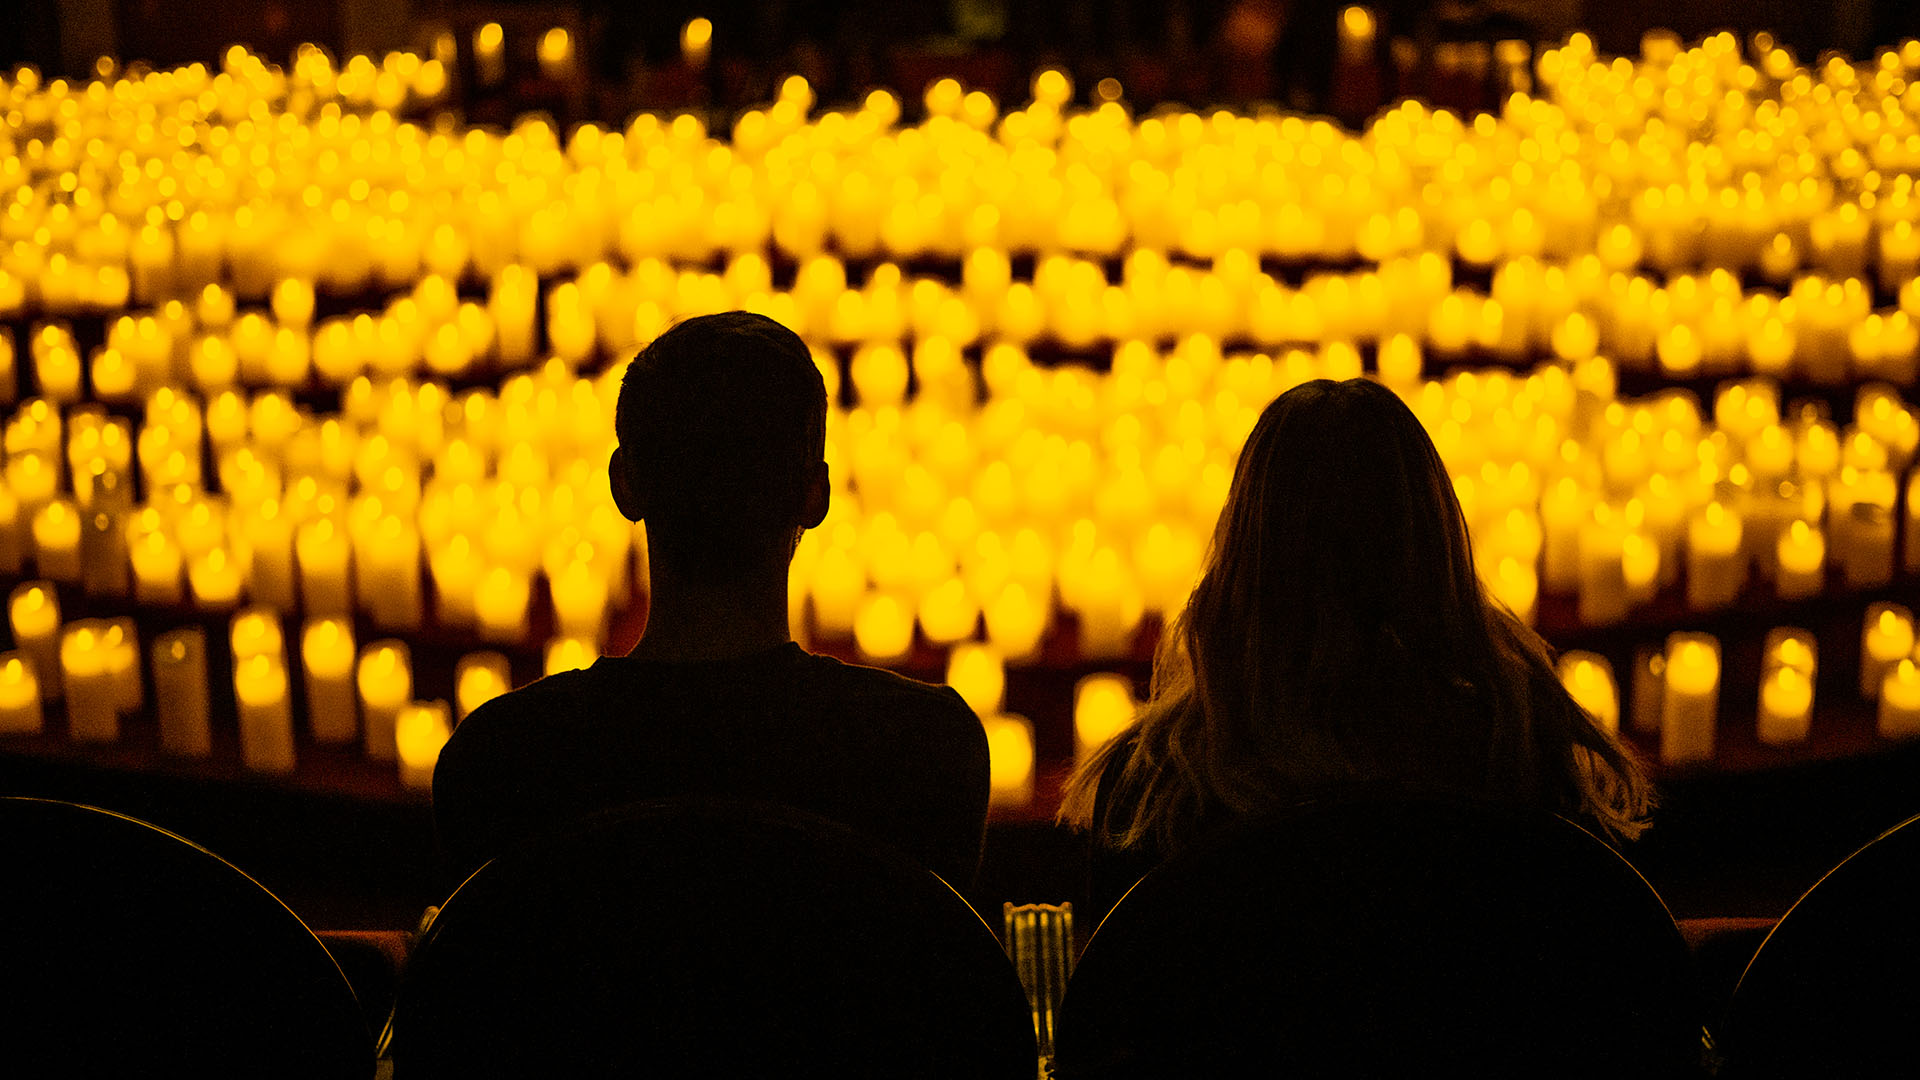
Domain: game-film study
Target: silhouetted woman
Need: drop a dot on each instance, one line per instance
(1340, 641)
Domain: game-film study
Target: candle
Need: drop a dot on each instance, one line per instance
(500, 605)
(1715, 568)
(477, 679)
(883, 629)
(1603, 587)
(1691, 700)
(56, 541)
(1016, 622)
(839, 583)
(324, 558)
(105, 567)
(1786, 706)
(266, 714)
(215, 579)
(1802, 561)
(89, 689)
(20, 712)
(180, 691)
(1788, 646)
(579, 594)
(420, 731)
(120, 654)
(34, 611)
(385, 678)
(1588, 678)
(1900, 702)
(327, 653)
(268, 532)
(569, 654)
(1009, 760)
(948, 613)
(696, 42)
(1564, 509)
(1103, 706)
(977, 673)
(489, 54)
(1886, 638)
(157, 565)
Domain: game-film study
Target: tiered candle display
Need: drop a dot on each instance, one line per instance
(358, 370)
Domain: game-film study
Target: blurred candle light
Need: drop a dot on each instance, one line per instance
(1899, 715)
(266, 714)
(569, 654)
(1691, 699)
(385, 681)
(1588, 678)
(91, 716)
(500, 605)
(33, 609)
(1786, 706)
(1103, 706)
(327, 653)
(1716, 569)
(477, 679)
(976, 672)
(180, 691)
(696, 42)
(20, 712)
(1009, 760)
(1886, 638)
(420, 732)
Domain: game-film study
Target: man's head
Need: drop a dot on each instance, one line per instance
(722, 429)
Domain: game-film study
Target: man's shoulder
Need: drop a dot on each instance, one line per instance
(887, 693)
(552, 697)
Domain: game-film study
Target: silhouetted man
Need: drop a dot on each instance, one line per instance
(722, 431)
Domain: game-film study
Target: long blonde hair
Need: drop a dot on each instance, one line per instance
(1340, 635)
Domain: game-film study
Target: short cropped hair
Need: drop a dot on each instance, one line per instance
(720, 421)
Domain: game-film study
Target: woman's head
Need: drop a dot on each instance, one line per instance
(1339, 635)
(1340, 556)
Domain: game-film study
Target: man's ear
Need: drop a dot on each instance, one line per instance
(632, 506)
(817, 497)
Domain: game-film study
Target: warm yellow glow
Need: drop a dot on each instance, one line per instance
(1010, 760)
(419, 733)
(1103, 706)
(977, 673)
(696, 41)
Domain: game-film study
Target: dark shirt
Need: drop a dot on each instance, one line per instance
(897, 759)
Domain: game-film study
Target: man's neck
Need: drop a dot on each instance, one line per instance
(691, 619)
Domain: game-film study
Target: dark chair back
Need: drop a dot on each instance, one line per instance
(1834, 990)
(699, 940)
(128, 951)
(1382, 938)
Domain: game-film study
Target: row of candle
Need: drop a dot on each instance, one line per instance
(196, 173)
(942, 510)
(1823, 331)
(1676, 689)
(93, 667)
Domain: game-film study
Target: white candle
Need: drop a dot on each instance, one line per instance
(327, 653)
(1649, 688)
(1715, 568)
(1016, 622)
(1886, 638)
(1802, 561)
(1603, 586)
(1103, 706)
(120, 652)
(1588, 678)
(1786, 705)
(56, 541)
(456, 569)
(256, 632)
(157, 566)
(477, 679)
(569, 654)
(215, 579)
(180, 691)
(500, 605)
(89, 690)
(1900, 702)
(1009, 760)
(1692, 697)
(266, 714)
(419, 733)
(20, 712)
(325, 559)
(34, 611)
(883, 629)
(385, 679)
(977, 673)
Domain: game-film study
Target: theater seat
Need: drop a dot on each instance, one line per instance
(1834, 990)
(1387, 938)
(128, 951)
(701, 940)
